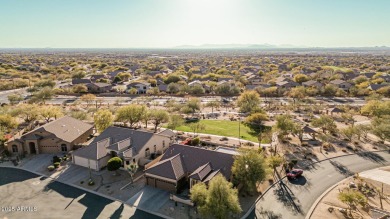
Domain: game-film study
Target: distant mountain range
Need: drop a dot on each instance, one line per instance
(264, 46)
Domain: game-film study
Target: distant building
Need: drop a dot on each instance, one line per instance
(341, 84)
(99, 87)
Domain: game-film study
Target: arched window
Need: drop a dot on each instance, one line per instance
(14, 149)
(147, 152)
(64, 148)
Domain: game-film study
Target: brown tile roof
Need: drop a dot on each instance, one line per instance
(171, 168)
(201, 172)
(194, 157)
(66, 128)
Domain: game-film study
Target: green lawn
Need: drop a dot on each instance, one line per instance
(224, 128)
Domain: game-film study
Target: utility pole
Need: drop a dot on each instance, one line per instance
(239, 129)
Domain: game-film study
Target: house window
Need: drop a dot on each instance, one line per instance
(64, 148)
(127, 162)
(154, 149)
(14, 149)
(163, 143)
(147, 152)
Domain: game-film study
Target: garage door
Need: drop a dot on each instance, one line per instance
(150, 181)
(168, 186)
(84, 162)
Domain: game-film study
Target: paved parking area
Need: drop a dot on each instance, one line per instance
(49, 199)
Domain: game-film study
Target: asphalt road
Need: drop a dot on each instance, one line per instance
(49, 199)
(315, 181)
(162, 99)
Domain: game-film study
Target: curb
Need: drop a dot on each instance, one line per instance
(93, 192)
(311, 164)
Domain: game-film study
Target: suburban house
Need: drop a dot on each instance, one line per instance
(81, 81)
(286, 84)
(132, 146)
(99, 87)
(376, 87)
(54, 137)
(141, 87)
(95, 78)
(341, 84)
(312, 83)
(183, 166)
(195, 83)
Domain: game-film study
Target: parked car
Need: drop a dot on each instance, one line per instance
(294, 173)
(223, 139)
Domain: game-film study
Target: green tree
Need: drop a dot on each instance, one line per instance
(157, 117)
(14, 98)
(131, 114)
(8, 122)
(196, 127)
(297, 93)
(213, 104)
(352, 198)
(171, 79)
(325, 122)
(79, 88)
(329, 90)
(220, 200)
(114, 164)
(88, 99)
(48, 112)
(173, 88)
(275, 161)
(28, 112)
(79, 75)
(349, 132)
(381, 127)
(249, 168)
(299, 78)
(193, 105)
(249, 102)
(255, 121)
(43, 95)
(284, 124)
(175, 121)
(362, 130)
(376, 108)
(103, 119)
(146, 117)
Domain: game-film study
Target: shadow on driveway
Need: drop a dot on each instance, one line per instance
(372, 156)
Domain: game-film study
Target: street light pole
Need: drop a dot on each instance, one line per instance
(239, 129)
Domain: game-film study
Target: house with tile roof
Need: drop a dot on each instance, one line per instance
(184, 166)
(132, 146)
(57, 136)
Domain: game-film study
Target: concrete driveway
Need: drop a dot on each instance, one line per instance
(37, 163)
(276, 203)
(149, 198)
(49, 199)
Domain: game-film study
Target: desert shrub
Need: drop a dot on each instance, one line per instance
(56, 164)
(50, 168)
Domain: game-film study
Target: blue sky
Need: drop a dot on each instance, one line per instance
(169, 23)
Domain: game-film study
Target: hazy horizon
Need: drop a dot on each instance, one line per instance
(162, 24)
